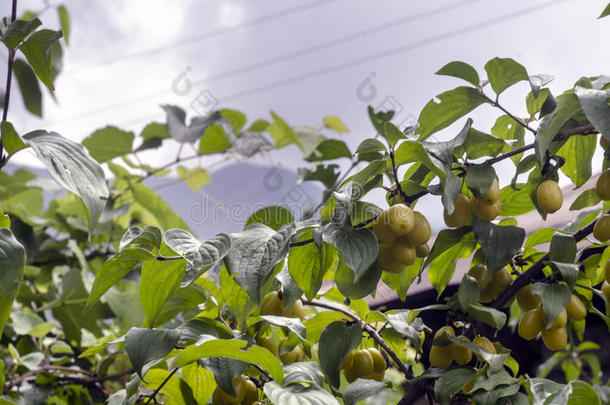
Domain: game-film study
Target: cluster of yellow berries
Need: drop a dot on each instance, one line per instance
(245, 391)
(490, 289)
(487, 207)
(287, 357)
(443, 356)
(403, 235)
(601, 231)
(364, 363)
(532, 323)
(273, 305)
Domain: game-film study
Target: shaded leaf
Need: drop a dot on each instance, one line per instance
(145, 346)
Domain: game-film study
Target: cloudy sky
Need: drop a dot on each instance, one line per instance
(304, 59)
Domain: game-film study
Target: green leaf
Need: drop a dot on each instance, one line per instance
(224, 371)
(155, 130)
(451, 382)
(115, 269)
(236, 119)
(292, 324)
(479, 178)
(401, 282)
(174, 388)
(568, 271)
(362, 389)
(581, 393)
(195, 178)
(72, 168)
(336, 341)
(64, 21)
(161, 210)
(535, 103)
(148, 238)
(451, 106)
(330, 149)
(160, 280)
(146, 346)
(503, 73)
(538, 237)
(356, 289)
(449, 246)
(28, 84)
(402, 323)
(12, 261)
(567, 107)
(370, 145)
(303, 372)
(309, 264)
(335, 123)
(392, 133)
(587, 198)
(18, 30)
(468, 291)
(507, 128)
(555, 298)
(176, 124)
(38, 51)
(254, 253)
(495, 361)
(107, 143)
(563, 248)
(232, 349)
(578, 152)
(199, 256)
(214, 140)
(273, 216)
(297, 394)
(10, 138)
(479, 144)
(595, 105)
(282, 133)
(359, 247)
(515, 202)
(461, 70)
(499, 243)
(494, 318)
(326, 174)
(606, 12)
(234, 296)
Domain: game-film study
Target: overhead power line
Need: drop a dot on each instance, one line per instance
(278, 59)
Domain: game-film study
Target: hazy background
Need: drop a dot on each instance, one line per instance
(304, 60)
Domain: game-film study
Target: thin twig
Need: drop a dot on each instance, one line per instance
(498, 105)
(404, 196)
(9, 78)
(373, 333)
(155, 392)
(335, 187)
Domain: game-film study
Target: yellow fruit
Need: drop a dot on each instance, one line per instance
(440, 356)
(295, 311)
(351, 374)
(555, 339)
(526, 299)
(401, 219)
(386, 261)
(602, 188)
(403, 251)
(268, 343)
(480, 273)
(461, 214)
(488, 294)
(376, 376)
(292, 356)
(604, 143)
(576, 309)
(531, 324)
(484, 344)
(460, 354)
(347, 360)
(549, 196)
(606, 290)
(601, 230)
(501, 279)
(363, 362)
(379, 364)
(445, 329)
(607, 270)
(272, 304)
(422, 250)
(383, 232)
(492, 195)
(421, 231)
(484, 211)
(242, 385)
(251, 393)
(560, 321)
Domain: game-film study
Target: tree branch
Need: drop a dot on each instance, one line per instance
(9, 78)
(373, 333)
(155, 392)
(535, 270)
(404, 196)
(93, 378)
(495, 103)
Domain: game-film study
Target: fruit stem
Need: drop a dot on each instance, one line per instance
(404, 196)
